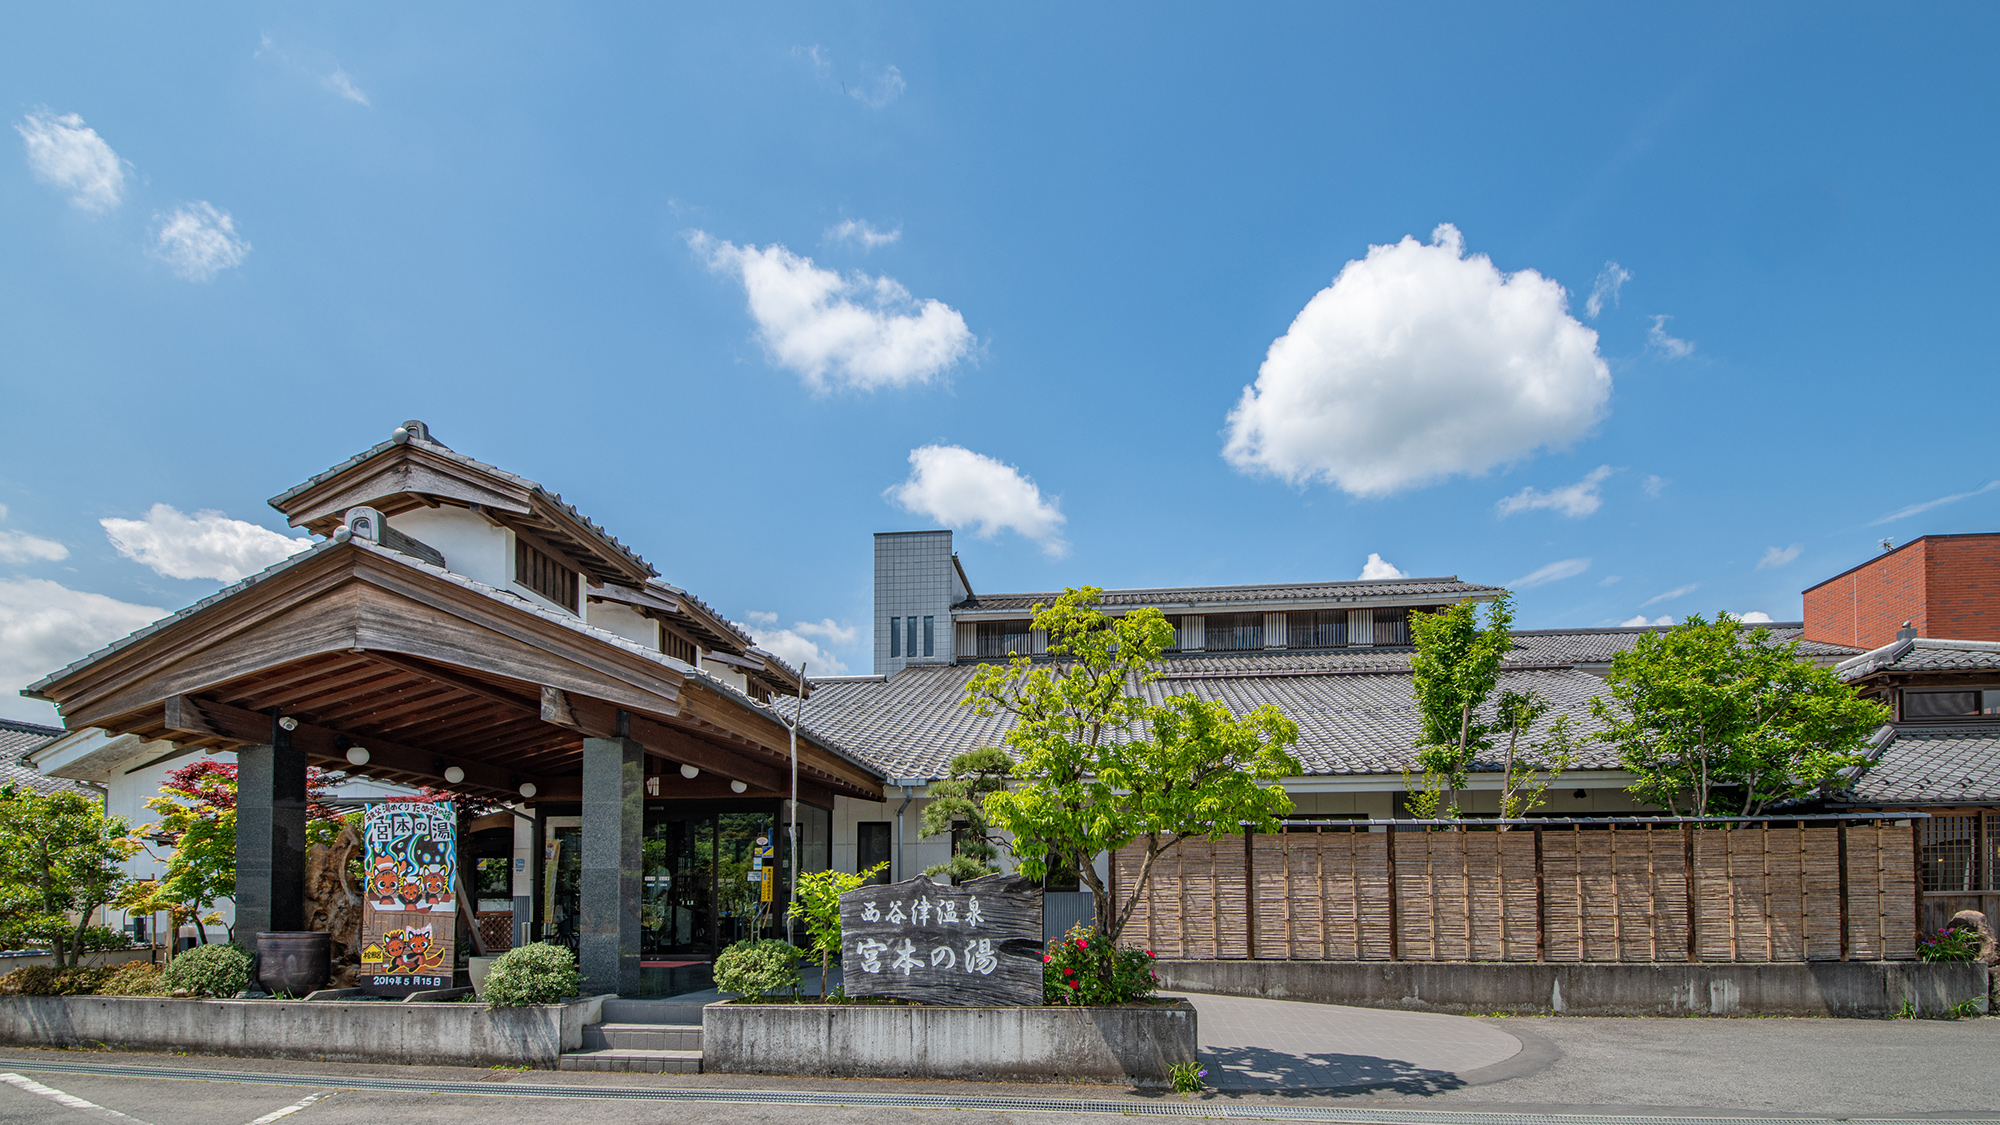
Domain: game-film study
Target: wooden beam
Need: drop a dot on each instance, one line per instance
(254, 727)
(637, 599)
(556, 709)
(463, 683)
(184, 717)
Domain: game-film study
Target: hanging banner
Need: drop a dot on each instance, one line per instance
(410, 916)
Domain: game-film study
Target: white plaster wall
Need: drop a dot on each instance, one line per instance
(615, 617)
(726, 674)
(470, 545)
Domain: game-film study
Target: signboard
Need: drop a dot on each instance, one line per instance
(977, 943)
(410, 916)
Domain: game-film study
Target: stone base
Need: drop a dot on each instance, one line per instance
(1863, 989)
(1127, 1045)
(320, 1030)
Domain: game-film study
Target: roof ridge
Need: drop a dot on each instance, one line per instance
(1244, 586)
(23, 726)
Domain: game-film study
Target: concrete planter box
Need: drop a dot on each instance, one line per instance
(21, 958)
(334, 1031)
(1863, 989)
(1129, 1044)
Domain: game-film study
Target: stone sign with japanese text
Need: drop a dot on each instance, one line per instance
(977, 943)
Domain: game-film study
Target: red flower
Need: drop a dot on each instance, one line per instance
(1046, 958)
(1076, 984)
(1081, 944)
(1149, 953)
(1069, 972)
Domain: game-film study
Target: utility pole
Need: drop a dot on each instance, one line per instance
(798, 716)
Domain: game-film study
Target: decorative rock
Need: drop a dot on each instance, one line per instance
(1989, 949)
(975, 944)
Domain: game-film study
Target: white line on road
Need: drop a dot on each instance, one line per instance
(70, 1100)
(296, 1106)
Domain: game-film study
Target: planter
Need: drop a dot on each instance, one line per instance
(476, 968)
(293, 962)
(1129, 1044)
(22, 958)
(320, 1030)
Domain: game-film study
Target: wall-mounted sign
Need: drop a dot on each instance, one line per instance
(409, 918)
(977, 943)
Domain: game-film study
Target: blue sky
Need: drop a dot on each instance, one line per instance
(716, 277)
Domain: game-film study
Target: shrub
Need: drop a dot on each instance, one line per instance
(133, 978)
(208, 970)
(541, 973)
(97, 938)
(47, 980)
(755, 969)
(1082, 967)
(1950, 945)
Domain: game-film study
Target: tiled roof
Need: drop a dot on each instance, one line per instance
(1598, 646)
(1350, 721)
(1922, 654)
(1932, 764)
(17, 741)
(1174, 596)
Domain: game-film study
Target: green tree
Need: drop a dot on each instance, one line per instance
(1455, 669)
(958, 806)
(1530, 766)
(1097, 766)
(819, 907)
(60, 856)
(1717, 720)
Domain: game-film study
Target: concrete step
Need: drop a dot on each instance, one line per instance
(680, 1010)
(633, 1062)
(642, 1037)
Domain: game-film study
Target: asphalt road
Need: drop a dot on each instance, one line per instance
(1612, 1067)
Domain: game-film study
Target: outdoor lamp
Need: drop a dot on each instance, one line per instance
(453, 774)
(288, 723)
(689, 772)
(357, 755)
(527, 789)
(737, 787)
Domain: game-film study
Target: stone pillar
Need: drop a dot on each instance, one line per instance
(614, 805)
(270, 838)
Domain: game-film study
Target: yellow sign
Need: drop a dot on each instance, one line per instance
(764, 889)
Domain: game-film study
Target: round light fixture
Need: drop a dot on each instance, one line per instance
(453, 774)
(690, 772)
(527, 789)
(357, 755)
(737, 787)
(288, 723)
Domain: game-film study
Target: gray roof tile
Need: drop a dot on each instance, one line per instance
(1932, 764)
(1922, 654)
(1248, 596)
(17, 741)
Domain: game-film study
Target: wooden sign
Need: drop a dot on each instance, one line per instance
(974, 944)
(409, 918)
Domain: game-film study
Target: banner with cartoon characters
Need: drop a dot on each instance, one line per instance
(410, 916)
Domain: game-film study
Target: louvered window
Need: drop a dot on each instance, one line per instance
(1235, 632)
(544, 575)
(677, 646)
(1003, 638)
(1318, 628)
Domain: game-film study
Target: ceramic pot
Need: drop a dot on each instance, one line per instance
(293, 962)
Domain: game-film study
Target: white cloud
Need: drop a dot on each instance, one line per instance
(1573, 500)
(341, 84)
(1654, 485)
(207, 544)
(1754, 617)
(1678, 591)
(1419, 363)
(857, 331)
(45, 625)
(1609, 281)
(20, 547)
(1779, 556)
(1658, 340)
(1610, 580)
(66, 153)
(1640, 620)
(198, 240)
(1918, 509)
(797, 647)
(959, 488)
(876, 92)
(862, 233)
(1378, 567)
(816, 58)
(1554, 572)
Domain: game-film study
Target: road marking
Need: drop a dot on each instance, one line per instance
(60, 1098)
(294, 1107)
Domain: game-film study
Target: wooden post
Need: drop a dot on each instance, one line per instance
(1541, 905)
(1687, 866)
(1844, 943)
(1917, 868)
(1390, 849)
(1249, 899)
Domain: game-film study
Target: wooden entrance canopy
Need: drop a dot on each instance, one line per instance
(361, 646)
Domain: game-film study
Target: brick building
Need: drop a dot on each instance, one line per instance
(1944, 586)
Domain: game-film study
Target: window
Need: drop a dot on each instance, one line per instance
(871, 846)
(895, 637)
(1392, 626)
(1001, 638)
(911, 647)
(1318, 628)
(544, 575)
(1950, 704)
(1950, 854)
(676, 646)
(927, 636)
(1235, 632)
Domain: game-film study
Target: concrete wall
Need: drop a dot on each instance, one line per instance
(1865, 989)
(414, 1034)
(1133, 1045)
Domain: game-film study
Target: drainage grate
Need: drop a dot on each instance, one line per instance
(857, 1099)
